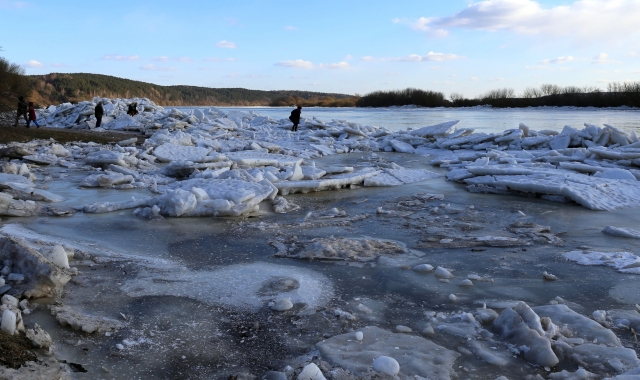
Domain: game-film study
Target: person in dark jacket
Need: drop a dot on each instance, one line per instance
(99, 111)
(32, 116)
(22, 111)
(295, 118)
(132, 109)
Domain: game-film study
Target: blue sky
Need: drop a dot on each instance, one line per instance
(351, 47)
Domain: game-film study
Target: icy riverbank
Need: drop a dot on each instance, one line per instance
(385, 279)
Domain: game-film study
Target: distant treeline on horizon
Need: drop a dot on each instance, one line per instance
(547, 95)
(59, 88)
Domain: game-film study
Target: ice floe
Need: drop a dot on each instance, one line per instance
(408, 354)
(596, 167)
(624, 262)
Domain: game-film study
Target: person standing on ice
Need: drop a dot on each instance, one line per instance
(32, 116)
(295, 118)
(132, 109)
(99, 111)
(22, 111)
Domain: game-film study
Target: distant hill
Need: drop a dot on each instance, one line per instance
(59, 88)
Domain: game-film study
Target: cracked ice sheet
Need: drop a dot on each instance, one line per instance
(243, 286)
(35, 239)
(591, 192)
(402, 176)
(230, 189)
(253, 159)
(624, 262)
(172, 152)
(416, 355)
(325, 183)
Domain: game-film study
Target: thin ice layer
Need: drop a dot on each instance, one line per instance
(244, 286)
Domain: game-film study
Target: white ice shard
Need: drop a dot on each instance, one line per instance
(8, 324)
(578, 325)
(534, 347)
(622, 232)
(400, 176)
(250, 159)
(442, 129)
(402, 147)
(311, 372)
(325, 183)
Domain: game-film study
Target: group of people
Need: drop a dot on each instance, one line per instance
(27, 111)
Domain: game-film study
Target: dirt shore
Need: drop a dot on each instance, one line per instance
(10, 134)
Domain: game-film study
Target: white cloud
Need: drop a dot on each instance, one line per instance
(443, 82)
(34, 64)
(437, 57)
(290, 27)
(348, 57)
(156, 68)
(5, 4)
(184, 59)
(633, 54)
(215, 59)
(593, 19)
(453, 75)
(474, 79)
(162, 58)
(496, 80)
(224, 44)
(430, 57)
(339, 65)
(298, 64)
(117, 57)
(548, 68)
(603, 59)
(558, 60)
(58, 65)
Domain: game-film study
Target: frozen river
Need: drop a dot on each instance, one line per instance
(479, 118)
(450, 279)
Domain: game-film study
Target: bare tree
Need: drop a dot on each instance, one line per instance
(456, 97)
(500, 93)
(550, 89)
(531, 92)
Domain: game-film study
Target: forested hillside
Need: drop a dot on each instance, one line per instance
(58, 88)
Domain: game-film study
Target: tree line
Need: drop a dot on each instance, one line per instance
(618, 94)
(60, 88)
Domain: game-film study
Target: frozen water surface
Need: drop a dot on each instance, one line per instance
(197, 297)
